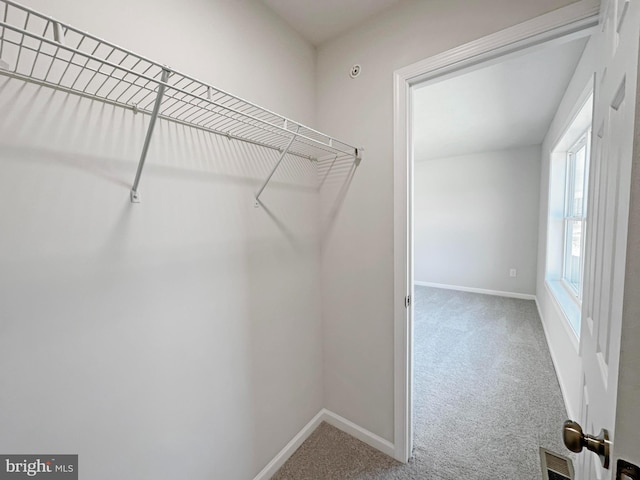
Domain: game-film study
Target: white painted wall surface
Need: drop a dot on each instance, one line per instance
(357, 262)
(561, 339)
(476, 217)
(180, 337)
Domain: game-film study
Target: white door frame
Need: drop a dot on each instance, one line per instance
(576, 20)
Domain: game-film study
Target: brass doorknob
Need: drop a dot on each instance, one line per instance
(575, 440)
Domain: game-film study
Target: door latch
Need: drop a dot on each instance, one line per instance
(627, 471)
(407, 301)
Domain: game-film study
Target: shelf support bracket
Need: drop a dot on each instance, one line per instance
(282, 155)
(135, 196)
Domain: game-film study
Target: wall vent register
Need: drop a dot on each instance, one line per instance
(38, 49)
(554, 466)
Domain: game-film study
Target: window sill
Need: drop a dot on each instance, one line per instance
(570, 308)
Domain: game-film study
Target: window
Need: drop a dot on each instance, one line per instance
(566, 224)
(575, 204)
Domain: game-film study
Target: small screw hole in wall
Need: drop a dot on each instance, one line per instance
(355, 71)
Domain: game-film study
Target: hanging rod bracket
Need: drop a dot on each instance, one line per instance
(282, 155)
(135, 196)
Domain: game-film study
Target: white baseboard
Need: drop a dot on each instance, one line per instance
(274, 465)
(335, 420)
(358, 432)
(498, 293)
(554, 360)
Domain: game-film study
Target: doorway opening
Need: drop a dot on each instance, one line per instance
(483, 373)
(482, 196)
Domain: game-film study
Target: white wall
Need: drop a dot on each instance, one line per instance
(476, 217)
(357, 262)
(562, 341)
(180, 337)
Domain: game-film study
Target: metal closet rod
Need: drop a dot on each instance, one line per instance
(212, 111)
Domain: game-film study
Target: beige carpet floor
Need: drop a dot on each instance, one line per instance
(486, 397)
(332, 454)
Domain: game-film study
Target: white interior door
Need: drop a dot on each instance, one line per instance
(607, 222)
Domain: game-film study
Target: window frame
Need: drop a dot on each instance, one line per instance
(584, 141)
(579, 124)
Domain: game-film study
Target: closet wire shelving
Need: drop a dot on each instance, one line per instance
(38, 49)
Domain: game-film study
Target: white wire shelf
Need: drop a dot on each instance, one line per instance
(39, 49)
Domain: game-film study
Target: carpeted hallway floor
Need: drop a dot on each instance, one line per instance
(485, 399)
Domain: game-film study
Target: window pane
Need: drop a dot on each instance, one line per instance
(573, 254)
(579, 160)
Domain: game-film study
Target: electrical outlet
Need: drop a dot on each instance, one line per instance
(513, 273)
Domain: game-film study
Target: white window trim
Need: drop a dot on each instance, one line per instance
(564, 296)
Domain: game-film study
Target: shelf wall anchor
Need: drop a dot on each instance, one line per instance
(282, 155)
(358, 156)
(135, 196)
